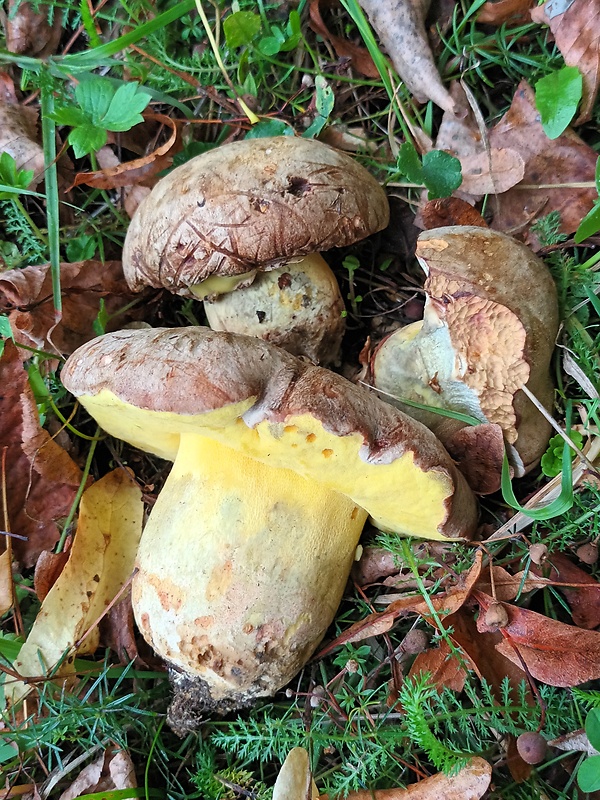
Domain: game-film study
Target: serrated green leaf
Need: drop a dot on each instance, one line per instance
(409, 163)
(82, 248)
(589, 225)
(269, 127)
(442, 173)
(5, 329)
(588, 774)
(94, 96)
(87, 139)
(592, 728)
(557, 96)
(125, 108)
(241, 28)
(11, 177)
(70, 115)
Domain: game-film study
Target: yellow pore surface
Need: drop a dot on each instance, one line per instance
(241, 568)
(399, 496)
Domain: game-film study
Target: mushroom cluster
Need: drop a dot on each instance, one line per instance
(277, 465)
(242, 227)
(488, 330)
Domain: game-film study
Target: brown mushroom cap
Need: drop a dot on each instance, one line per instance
(489, 327)
(249, 205)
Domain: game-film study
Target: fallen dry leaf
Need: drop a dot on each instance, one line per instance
(375, 563)
(117, 631)
(584, 600)
(554, 653)
(18, 137)
(140, 170)
(400, 25)
(503, 586)
(491, 172)
(469, 783)
(361, 60)
(450, 211)
(445, 669)
(47, 569)
(113, 770)
(380, 622)
(478, 451)
(6, 581)
(513, 11)
(101, 560)
(294, 781)
(26, 296)
(41, 479)
(558, 161)
(577, 35)
(28, 31)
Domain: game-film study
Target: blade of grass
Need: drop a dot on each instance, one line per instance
(51, 179)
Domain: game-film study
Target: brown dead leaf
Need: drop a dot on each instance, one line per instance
(28, 31)
(557, 161)
(382, 621)
(113, 770)
(505, 586)
(6, 581)
(478, 451)
(117, 631)
(400, 26)
(132, 195)
(18, 137)
(294, 781)
(445, 669)
(375, 563)
(450, 211)
(577, 35)
(41, 479)
(469, 783)
(584, 600)
(140, 170)
(491, 173)
(361, 60)
(26, 295)
(513, 11)
(101, 560)
(47, 570)
(555, 653)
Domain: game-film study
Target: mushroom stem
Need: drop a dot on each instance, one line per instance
(241, 569)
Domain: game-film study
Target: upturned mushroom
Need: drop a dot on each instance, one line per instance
(258, 207)
(489, 327)
(277, 464)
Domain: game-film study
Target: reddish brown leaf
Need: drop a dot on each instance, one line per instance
(375, 563)
(584, 601)
(554, 653)
(478, 451)
(26, 295)
(577, 34)
(506, 586)
(117, 631)
(446, 670)
(381, 621)
(41, 478)
(361, 60)
(140, 170)
(558, 161)
(450, 211)
(47, 569)
(28, 31)
(513, 11)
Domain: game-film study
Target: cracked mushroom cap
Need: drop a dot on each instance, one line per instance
(489, 327)
(247, 206)
(277, 463)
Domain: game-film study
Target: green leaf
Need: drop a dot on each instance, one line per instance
(557, 96)
(551, 462)
(588, 774)
(94, 96)
(324, 100)
(592, 728)
(7, 751)
(409, 163)
(442, 173)
(554, 509)
(5, 329)
(81, 249)
(87, 139)
(589, 225)
(12, 177)
(125, 108)
(241, 28)
(70, 115)
(102, 317)
(269, 127)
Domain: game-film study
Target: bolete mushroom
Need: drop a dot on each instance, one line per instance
(251, 207)
(489, 327)
(277, 464)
